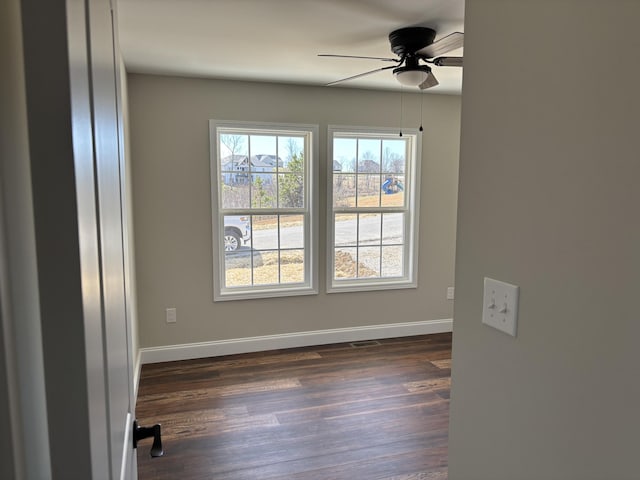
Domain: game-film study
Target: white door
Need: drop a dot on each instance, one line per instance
(111, 207)
(97, 112)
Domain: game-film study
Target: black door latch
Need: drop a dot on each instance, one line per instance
(145, 432)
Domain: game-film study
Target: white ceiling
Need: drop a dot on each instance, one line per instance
(279, 40)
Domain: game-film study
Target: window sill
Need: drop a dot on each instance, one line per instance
(255, 293)
(359, 286)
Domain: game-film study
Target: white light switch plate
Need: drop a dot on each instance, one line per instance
(171, 315)
(500, 305)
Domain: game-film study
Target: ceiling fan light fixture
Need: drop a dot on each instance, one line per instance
(412, 77)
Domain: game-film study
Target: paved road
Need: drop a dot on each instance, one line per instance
(291, 237)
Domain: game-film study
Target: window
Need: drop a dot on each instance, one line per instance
(373, 195)
(264, 200)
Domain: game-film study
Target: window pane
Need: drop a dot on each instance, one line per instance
(392, 261)
(369, 262)
(237, 232)
(266, 268)
(344, 155)
(344, 190)
(345, 230)
(234, 195)
(393, 229)
(263, 151)
(237, 268)
(263, 190)
(369, 229)
(291, 190)
(265, 232)
(291, 153)
(233, 150)
(393, 156)
(368, 191)
(393, 191)
(292, 266)
(294, 164)
(345, 265)
(263, 164)
(369, 156)
(291, 231)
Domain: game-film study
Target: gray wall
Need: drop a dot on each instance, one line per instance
(549, 201)
(24, 441)
(129, 242)
(172, 211)
(16, 254)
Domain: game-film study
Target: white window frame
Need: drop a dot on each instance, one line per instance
(410, 210)
(310, 284)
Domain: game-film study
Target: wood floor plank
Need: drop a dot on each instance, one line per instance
(444, 363)
(222, 391)
(438, 474)
(377, 412)
(429, 385)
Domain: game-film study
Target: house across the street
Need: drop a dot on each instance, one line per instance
(237, 168)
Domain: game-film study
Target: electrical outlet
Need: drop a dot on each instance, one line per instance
(500, 309)
(451, 293)
(172, 316)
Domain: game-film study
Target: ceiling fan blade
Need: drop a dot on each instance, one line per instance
(396, 60)
(360, 75)
(448, 61)
(431, 81)
(442, 46)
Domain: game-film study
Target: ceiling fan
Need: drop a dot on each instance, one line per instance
(414, 45)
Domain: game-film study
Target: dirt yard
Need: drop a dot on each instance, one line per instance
(291, 269)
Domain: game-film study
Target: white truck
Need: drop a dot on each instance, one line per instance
(237, 231)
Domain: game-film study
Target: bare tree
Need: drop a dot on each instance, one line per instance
(392, 162)
(368, 155)
(234, 144)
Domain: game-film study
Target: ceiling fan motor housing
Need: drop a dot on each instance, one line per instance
(405, 41)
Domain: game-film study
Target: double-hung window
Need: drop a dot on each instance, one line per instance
(264, 202)
(373, 198)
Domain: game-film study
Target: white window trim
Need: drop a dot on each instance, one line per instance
(310, 287)
(412, 178)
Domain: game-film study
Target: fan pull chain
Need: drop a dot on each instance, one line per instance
(421, 104)
(401, 99)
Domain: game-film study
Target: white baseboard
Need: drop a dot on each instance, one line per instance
(218, 348)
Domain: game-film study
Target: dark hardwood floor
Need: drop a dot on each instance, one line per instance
(333, 412)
